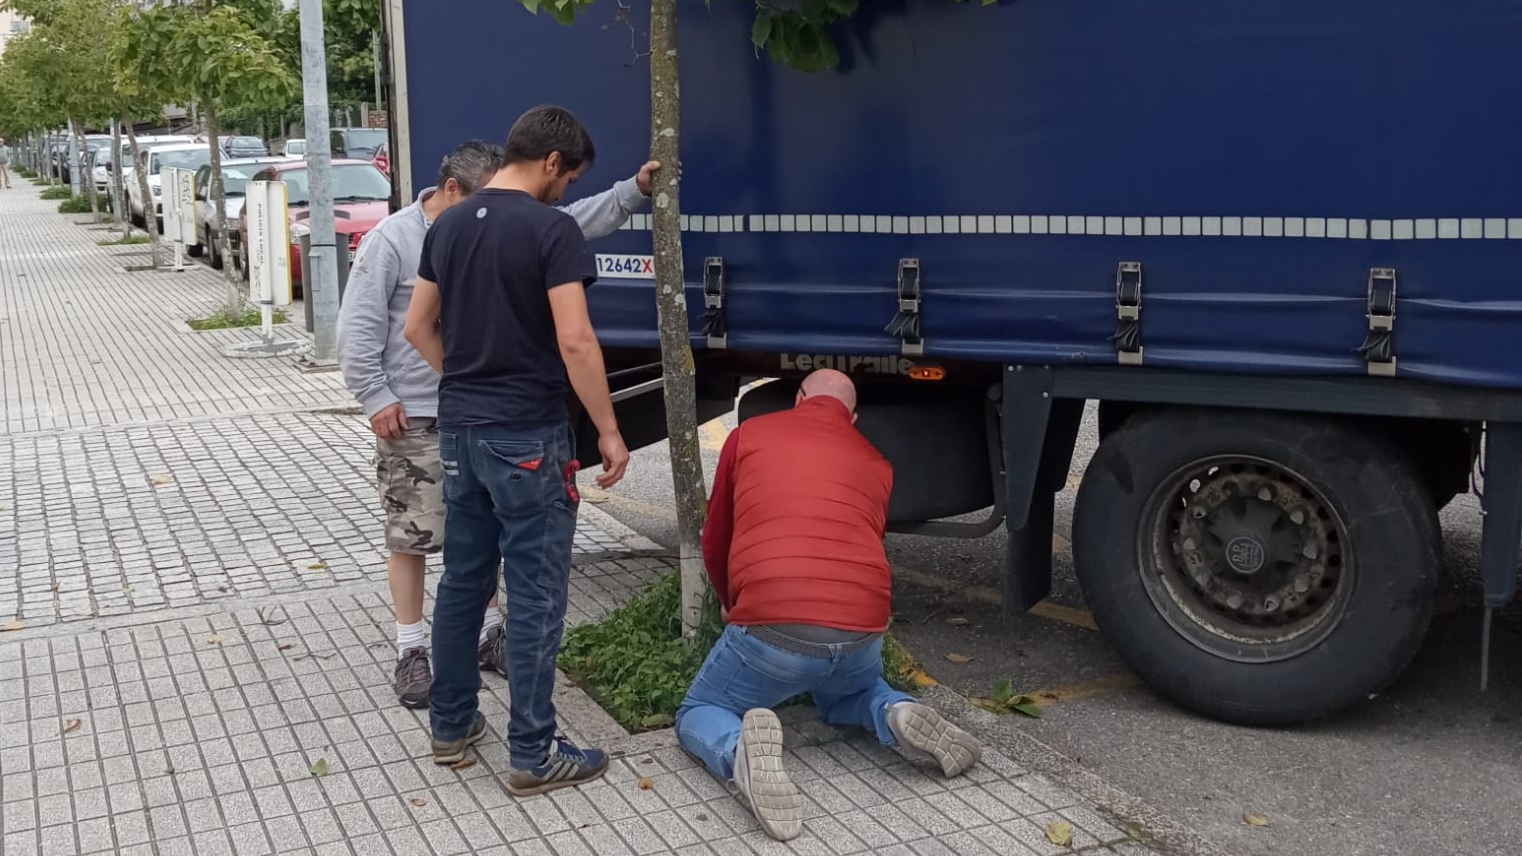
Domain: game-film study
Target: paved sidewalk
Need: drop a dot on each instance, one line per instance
(191, 544)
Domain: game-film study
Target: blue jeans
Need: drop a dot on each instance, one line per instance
(510, 497)
(743, 672)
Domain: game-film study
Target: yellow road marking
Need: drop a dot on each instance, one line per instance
(983, 594)
(1085, 689)
(1065, 614)
(714, 435)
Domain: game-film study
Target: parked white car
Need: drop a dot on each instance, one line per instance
(294, 148)
(235, 176)
(124, 157)
(153, 159)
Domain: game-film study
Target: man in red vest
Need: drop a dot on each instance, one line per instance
(794, 548)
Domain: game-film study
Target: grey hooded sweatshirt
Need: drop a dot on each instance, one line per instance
(380, 367)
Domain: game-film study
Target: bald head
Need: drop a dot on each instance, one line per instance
(831, 384)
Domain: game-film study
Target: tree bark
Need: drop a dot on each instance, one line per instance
(150, 222)
(218, 196)
(87, 177)
(671, 306)
(120, 219)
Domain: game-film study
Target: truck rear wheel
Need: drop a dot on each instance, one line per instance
(1256, 568)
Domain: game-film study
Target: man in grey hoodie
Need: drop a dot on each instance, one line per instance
(399, 390)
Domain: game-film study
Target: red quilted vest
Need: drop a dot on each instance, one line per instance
(810, 511)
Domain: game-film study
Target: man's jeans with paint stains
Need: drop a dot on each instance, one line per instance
(510, 498)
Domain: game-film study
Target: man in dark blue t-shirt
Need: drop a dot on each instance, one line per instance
(499, 310)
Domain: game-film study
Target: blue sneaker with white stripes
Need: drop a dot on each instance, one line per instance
(565, 767)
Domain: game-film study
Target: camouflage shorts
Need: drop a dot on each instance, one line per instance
(411, 481)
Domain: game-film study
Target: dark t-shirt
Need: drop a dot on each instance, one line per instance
(495, 256)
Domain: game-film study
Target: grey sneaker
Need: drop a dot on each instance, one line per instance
(452, 751)
(763, 784)
(567, 765)
(413, 677)
(492, 654)
(924, 729)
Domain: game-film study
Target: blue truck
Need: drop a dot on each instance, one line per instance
(1278, 244)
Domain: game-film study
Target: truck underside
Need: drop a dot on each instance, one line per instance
(1262, 552)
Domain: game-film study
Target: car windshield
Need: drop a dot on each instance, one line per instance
(235, 179)
(355, 182)
(184, 159)
(294, 146)
(245, 143)
(363, 142)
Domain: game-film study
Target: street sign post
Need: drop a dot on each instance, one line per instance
(269, 249)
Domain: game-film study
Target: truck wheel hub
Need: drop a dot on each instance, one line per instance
(1248, 550)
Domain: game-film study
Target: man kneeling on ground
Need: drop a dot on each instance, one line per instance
(794, 548)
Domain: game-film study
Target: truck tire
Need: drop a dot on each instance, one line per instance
(1259, 569)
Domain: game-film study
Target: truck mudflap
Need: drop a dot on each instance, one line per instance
(1501, 499)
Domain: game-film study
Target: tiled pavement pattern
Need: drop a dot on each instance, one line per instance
(108, 522)
(85, 343)
(200, 736)
(207, 557)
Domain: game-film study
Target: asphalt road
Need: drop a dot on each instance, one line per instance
(1430, 767)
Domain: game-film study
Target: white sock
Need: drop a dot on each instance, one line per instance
(493, 620)
(411, 636)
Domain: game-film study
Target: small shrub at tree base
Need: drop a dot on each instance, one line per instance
(74, 205)
(635, 664)
(62, 191)
(220, 320)
(130, 239)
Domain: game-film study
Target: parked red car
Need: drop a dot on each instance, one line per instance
(361, 194)
(383, 158)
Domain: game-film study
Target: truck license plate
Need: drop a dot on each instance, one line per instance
(620, 266)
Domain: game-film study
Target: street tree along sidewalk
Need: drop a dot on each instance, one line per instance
(211, 54)
(800, 37)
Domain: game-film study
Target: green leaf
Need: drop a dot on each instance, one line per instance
(320, 768)
(761, 30)
(1027, 707)
(1004, 690)
(847, 8)
(565, 12)
(828, 54)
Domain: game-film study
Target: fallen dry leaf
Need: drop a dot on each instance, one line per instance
(317, 566)
(18, 624)
(419, 802)
(284, 648)
(646, 783)
(958, 658)
(958, 621)
(71, 726)
(162, 479)
(463, 764)
(1255, 819)
(214, 639)
(1060, 833)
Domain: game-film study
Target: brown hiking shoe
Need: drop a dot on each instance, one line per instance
(412, 679)
(452, 751)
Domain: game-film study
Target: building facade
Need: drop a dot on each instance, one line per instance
(11, 26)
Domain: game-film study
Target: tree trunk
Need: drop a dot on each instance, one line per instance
(87, 178)
(150, 222)
(115, 184)
(218, 199)
(671, 307)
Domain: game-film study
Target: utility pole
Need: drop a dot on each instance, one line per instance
(319, 276)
